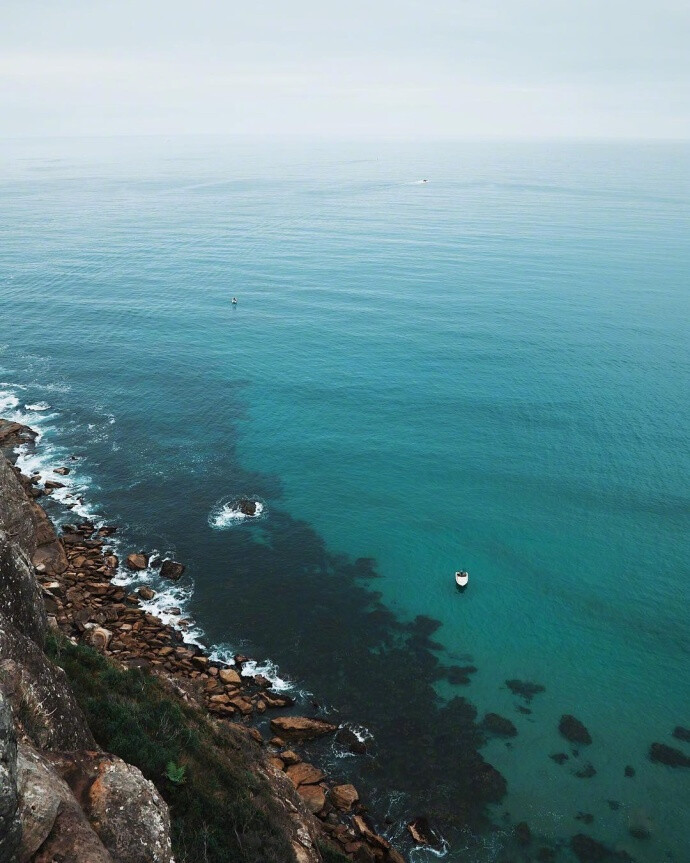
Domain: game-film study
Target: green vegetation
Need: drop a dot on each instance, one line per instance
(221, 811)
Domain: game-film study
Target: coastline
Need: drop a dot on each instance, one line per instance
(77, 571)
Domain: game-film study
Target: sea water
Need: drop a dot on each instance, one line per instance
(486, 371)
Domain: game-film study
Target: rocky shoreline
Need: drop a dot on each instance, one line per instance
(75, 571)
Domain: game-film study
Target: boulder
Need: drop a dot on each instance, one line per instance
(172, 570)
(343, 796)
(493, 723)
(304, 774)
(290, 757)
(301, 728)
(229, 676)
(62, 471)
(146, 593)
(129, 814)
(664, 754)
(98, 637)
(246, 506)
(421, 832)
(314, 797)
(573, 730)
(12, 433)
(137, 561)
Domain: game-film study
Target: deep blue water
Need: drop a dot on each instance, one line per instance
(489, 371)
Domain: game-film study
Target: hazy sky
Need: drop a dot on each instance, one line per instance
(412, 68)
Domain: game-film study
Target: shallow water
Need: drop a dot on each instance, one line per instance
(486, 371)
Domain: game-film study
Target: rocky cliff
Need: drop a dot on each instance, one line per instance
(111, 813)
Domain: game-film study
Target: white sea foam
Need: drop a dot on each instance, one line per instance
(39, 406)
(8, 401)
(225, 513)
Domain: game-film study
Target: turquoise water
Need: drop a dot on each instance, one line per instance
(487, 371)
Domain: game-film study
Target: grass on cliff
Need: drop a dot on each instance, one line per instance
(220, 810)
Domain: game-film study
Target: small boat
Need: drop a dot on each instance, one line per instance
(461, 579)
(234, 301)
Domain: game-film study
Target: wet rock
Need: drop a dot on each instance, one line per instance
(301, 728)
(290, 757)
(53, 484)
(246, 506)
(146, 593)
(559, 757)
(664, 754)
(348, 738)
(172, 570)
(574, 730)
(681, 733)
(496, 724)
(62, 471)
(629, 771)
(343, 796)
(137, 561)
(421, 832)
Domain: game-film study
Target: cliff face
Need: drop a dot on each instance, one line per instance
(60, 797)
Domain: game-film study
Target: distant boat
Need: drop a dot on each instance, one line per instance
(461, 579)
(234, 301)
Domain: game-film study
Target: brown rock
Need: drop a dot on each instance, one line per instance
(137, 561)
(304, 774)
(290, 757)
(62, 471)
(98, 637)
(146, 593)
(343, 796)
(229, 676)
(313, 796)
(301, 728)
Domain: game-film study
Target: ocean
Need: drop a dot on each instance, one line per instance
(485, 371)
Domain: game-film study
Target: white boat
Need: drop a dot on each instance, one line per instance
(461, 579)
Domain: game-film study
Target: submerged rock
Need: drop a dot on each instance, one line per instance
(525, 689)
(522, 833)
(629, 771)
(574, 730)
(559, 757)
(588, 850)
(664, 754)
(681, 733)
(586, 772)
(172, 570)
(496, 724)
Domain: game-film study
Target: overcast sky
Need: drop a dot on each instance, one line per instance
(392, 68)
